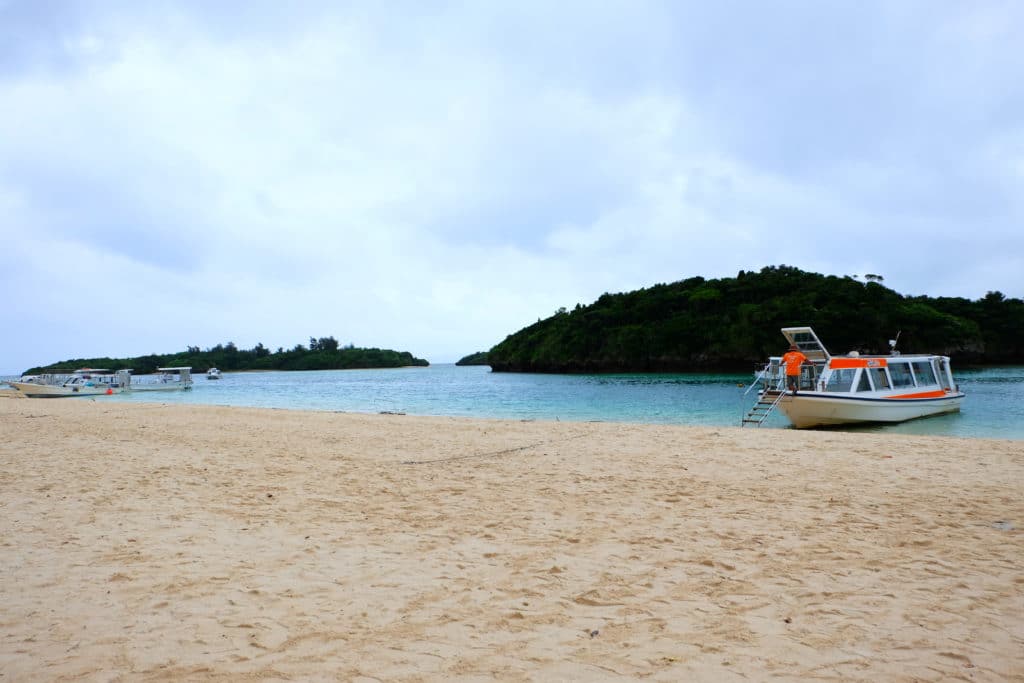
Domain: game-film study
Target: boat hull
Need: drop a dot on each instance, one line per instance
(815, 409)
(164, 386)
(32, 390)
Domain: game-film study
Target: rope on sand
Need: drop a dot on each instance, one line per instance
(492, 454)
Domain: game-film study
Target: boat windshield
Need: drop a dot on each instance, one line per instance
(901, 375)
(863, 384)
(841, 380)
(879, 378)
(924, 373)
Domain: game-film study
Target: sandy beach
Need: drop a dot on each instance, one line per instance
(155, 542)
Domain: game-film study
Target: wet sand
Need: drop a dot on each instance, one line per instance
(153, 542)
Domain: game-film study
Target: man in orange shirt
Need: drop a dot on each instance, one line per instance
(793, 360)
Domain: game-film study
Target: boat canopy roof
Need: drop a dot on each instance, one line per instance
(807, 342)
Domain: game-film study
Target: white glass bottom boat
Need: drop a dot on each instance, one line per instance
(83, 382)
(169, 379)
(213, 373)
(855, 389)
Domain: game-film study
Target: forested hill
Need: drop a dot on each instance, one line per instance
(322, 354)
(478, 358)
(732, 323)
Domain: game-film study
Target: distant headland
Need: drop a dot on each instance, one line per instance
(732, 323)
(321, 354)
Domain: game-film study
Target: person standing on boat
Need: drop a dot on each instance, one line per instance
(793, 360)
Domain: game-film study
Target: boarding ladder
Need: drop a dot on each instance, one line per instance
(767, 400)
(766, 403)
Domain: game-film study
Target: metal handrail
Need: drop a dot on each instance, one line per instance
(765, 378)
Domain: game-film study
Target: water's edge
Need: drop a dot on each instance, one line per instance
(994, 407)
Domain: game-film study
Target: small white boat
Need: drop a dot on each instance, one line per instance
(169, 379)
(82, 382)
(24, 379)
(852, 389)
(213, 373)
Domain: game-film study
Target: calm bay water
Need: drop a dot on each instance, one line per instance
(994, 407)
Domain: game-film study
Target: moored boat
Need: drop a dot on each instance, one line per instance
(213, 373)
(168, 379)
(852, 389)
(82, 382)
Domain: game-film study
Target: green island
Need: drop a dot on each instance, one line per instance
(478, 358)
(321, 354)
(733, 323)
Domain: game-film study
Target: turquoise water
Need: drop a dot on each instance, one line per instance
(994, 407)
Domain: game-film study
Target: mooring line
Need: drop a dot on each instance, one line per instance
(492, 454)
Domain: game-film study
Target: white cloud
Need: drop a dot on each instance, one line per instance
(434, 179)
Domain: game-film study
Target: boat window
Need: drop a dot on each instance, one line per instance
(879, 378)
(901, 376)
(924, 373)
(841, 380)
(863, 384)
(943, 375)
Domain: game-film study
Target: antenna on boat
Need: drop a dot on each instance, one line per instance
(892, 344)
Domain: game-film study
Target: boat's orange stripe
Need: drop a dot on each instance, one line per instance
(845, 363)
(923, 394)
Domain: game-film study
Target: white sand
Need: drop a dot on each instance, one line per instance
(150, 542)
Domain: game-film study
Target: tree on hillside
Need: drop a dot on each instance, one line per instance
(698, 324)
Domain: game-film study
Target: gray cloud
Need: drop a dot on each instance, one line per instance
(432, 178)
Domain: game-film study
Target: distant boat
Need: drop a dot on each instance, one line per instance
(213, 373)
(82, 382)
(854, 389)
(169, 379)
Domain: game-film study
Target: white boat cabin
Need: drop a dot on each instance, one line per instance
(182, 374)
(167, 380)
(896, 375)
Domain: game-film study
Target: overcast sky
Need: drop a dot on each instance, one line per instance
(432, 176)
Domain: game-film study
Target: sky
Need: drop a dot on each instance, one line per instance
(433, 176)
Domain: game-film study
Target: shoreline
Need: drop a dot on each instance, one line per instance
(990, 410)
(170, 541)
